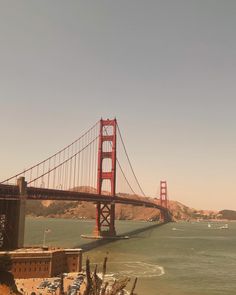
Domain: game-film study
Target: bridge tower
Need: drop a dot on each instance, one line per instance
(163, 199)
(12, 219)
(105, 211)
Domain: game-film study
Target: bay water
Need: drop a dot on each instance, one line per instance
(176, 258)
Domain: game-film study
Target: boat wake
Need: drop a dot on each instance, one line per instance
(174, 228)
(138, 269)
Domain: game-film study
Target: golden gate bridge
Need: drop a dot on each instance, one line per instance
(89, 169)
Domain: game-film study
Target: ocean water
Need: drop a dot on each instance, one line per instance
(176, 258)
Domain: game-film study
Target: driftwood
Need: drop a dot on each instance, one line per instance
(97, 286)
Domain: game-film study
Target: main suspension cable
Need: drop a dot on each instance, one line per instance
(131, 167)
(57, 153)
(65, 162)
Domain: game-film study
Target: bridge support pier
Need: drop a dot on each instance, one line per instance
(105, 218)
(22, 184)
(12, 220)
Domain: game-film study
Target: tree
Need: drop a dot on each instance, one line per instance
(7, 282)
(5, 262)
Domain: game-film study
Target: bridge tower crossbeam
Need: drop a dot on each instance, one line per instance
(105, 211)
(163, 199)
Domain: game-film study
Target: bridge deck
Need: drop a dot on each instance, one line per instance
(12, 192)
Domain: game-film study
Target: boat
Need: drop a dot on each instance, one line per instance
(224, 226)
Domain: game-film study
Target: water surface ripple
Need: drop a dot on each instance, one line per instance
(176, 259)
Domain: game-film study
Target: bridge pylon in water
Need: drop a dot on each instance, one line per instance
(12, 219)
(105, 211)
(164, 201)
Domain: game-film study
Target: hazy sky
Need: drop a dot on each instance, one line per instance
(165, 69)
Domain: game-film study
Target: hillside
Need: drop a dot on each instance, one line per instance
(85, 210)
(228, 214)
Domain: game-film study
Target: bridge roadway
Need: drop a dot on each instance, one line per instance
(12, 192)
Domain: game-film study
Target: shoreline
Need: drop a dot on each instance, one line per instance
(127, 220)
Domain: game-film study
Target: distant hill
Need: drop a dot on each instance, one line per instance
(85, 210)
(228, 214)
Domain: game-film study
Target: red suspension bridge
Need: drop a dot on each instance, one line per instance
(88, 169)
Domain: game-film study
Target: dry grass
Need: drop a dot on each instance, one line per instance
(97, 286)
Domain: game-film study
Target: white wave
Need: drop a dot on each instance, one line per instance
(138, 269)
